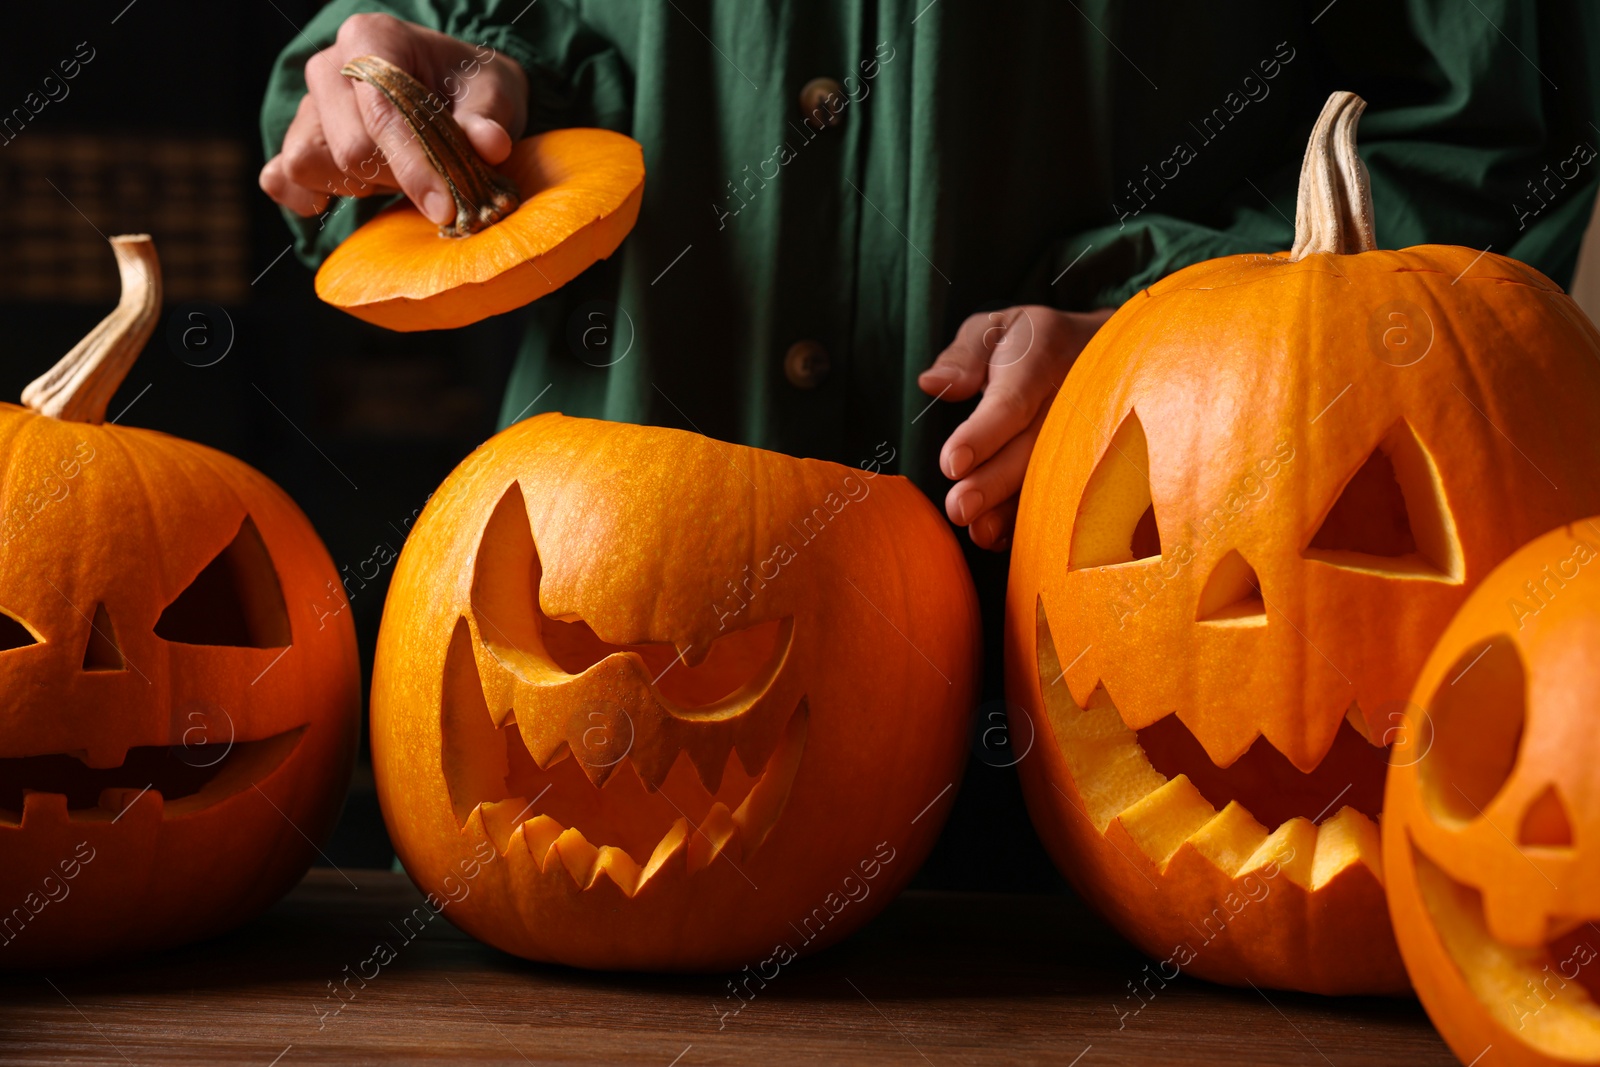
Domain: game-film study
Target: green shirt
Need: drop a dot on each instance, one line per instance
(984, 155)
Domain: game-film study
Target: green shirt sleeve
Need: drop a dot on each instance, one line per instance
(1476, 134)
(575, 78)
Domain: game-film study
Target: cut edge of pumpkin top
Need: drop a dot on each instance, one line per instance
(562, 201)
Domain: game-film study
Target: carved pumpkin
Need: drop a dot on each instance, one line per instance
(1491, 831)
(646, 700)
(566, 199)
(1264, 489)
(177, 729)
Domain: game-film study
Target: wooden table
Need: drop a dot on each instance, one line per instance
(939, 978)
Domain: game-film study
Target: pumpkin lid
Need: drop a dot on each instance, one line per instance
(561, 201)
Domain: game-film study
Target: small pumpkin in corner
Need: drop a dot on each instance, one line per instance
(1491, 830)
(179, 724)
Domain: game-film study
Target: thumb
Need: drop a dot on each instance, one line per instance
(402, 151)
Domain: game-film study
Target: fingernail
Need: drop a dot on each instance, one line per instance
(968, 504)
(958, 462)
(438, 207)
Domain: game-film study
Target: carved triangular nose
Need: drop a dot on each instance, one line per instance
(1546, 822)
(102, 653)
(1232, 594)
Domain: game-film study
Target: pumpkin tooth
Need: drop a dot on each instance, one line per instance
(1358, 721)
(1292, 847)
(553, 755)
(1229, 839)
(761, 807)
(102, 757)
(715, 835)
(653, 764)
(671, 850)
(617, 865)
(1163, 820)
(710, 761)
(576, 854)
(1349, 837)
(539, 837)
(500, 819)
(40, 807)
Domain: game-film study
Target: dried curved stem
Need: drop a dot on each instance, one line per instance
(1334, 214)
(81, 384)
(483, 196)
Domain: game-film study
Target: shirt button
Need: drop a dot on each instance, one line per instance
(805, 364)
(814, 100)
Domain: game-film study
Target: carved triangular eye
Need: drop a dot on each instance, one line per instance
(13, 634)
(1546, 822)
(1233, 594)
(1390, 517)
(235, 600)
(1116, 521)
(102, 653)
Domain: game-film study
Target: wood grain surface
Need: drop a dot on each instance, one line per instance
(938, 979)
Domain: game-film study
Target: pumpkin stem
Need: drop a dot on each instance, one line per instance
(483, 196)
(79, 387)
(1334, 214)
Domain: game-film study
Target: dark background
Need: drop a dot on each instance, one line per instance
(158, 133)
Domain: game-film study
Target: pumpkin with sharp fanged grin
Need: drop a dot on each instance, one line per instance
(1491, 833)
(691, 700)
(1265, 487)
(177, 725)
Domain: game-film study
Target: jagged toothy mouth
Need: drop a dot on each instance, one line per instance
(1163, 789)
(175, 780)
(631, 826)
(1545, 994)
(665, 769)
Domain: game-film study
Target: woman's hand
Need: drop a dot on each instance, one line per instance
(1017, 358)
(348, 140)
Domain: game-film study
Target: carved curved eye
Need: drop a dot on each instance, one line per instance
(1116, 520)
(14, 633)
(1477, 716)
(1390, 516)
(235, 599)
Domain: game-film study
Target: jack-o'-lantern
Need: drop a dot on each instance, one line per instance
(1264, 489)
(178, 723)
(646, 700)
(1491, 831)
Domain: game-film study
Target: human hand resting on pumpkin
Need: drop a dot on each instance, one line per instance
(1017, 358)
(348, 140)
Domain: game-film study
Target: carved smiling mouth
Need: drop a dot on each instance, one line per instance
(1166, 792)
(175, 780)
(1546, 994)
